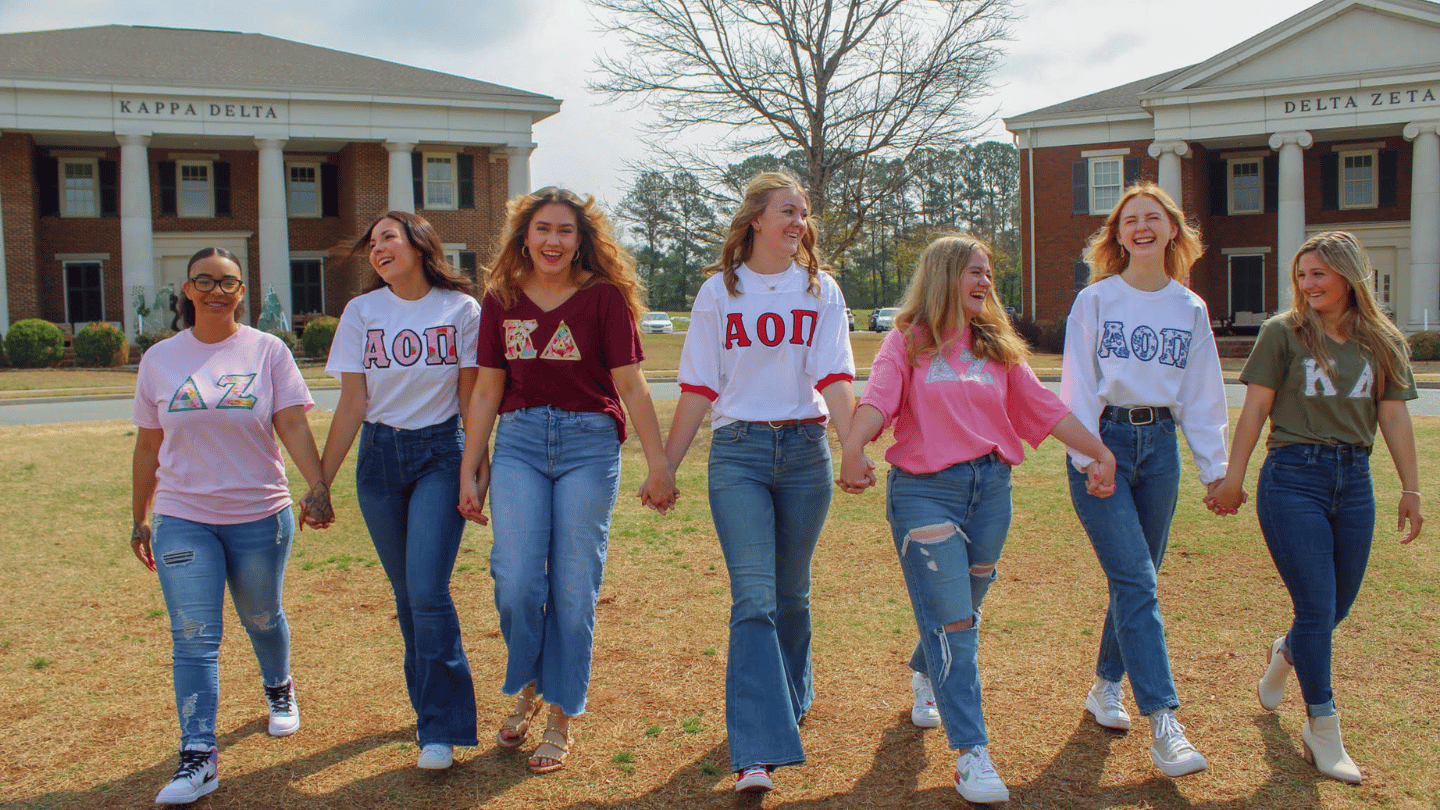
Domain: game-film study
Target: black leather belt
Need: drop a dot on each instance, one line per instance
(1144, 415)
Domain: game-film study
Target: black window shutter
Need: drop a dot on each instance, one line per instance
(1132, 171)
(329, 190)
(222, 189)
(417, 172)
(166, 170)
(1219, 188)
(47, 178)
(1270, 167)
(1080, 187)
(1330, 182)
(1389, 177)
(1082, 274)
(109, 188)
(465, 173)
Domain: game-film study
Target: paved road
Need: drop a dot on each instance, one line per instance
(78, 409)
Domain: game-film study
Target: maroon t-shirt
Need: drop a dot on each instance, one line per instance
(562, 357)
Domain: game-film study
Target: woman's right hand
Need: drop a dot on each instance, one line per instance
(1225, 496)
(857, 472)
(472, 495)
(140, 544)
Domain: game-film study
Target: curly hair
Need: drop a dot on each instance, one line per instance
(1107, 257)
(599, 252)
(740, 239)
(422, 236)
(931, 314)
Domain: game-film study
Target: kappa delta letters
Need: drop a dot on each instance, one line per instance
(407, 347)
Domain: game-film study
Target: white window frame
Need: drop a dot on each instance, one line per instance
(1343, 186)
(453, 184)
(290, 210)
(180, 211)
(65, 209)
(65, 284)
(1259, 165)
(1097, 209)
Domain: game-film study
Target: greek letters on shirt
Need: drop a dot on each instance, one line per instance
(771, 329)
(942, 371)
(407, 347)
(1318, 384)
(519, 345)
(1170, 347)
(234, 396)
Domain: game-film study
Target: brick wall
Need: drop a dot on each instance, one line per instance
(17, 211)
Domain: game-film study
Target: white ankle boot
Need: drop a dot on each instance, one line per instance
(1325, 749)
(1277, 671)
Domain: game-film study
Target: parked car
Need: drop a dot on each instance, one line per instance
(850, 318)
(656, 323)
(883, 319)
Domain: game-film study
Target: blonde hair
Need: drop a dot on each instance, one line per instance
(1362, 321)
(930, 316)
(1106, 256)
(740, 239)
(598, 253)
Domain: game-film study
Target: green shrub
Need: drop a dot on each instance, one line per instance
(4, 361)
(33, 343)
(288, 338)
(101, 344)
(1425, 346)
(145, 340)
(318, 334)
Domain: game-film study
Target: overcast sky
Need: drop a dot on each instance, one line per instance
(1061, 49)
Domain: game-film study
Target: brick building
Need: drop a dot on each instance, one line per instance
(123, 150)
(1326, 121)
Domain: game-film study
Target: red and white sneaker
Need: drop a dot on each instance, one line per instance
(754, 779)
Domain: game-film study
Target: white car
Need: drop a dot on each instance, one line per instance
(656, 323)
(883, 320)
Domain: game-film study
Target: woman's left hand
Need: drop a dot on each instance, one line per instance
(140, 545)
(659, 491)
(315, 508)
(1410, 510)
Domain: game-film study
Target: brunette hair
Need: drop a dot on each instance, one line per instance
(187, 307)
(740, 239)
(1362, 320)
(1106, 256)
(598, 253)
(930, 314)
(421, 236)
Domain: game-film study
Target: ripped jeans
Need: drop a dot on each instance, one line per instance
(194, 562)
(949, 529)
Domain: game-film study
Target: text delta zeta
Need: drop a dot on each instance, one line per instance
(1326, 103)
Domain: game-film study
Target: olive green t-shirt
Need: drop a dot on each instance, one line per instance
(1310, 407)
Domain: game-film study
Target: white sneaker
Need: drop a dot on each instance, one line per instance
(754, 779)
(923, 713)
(198, 775)
(1171, 752)
(284, 711)
(436, 757)
(976, 779)
(1106, 702)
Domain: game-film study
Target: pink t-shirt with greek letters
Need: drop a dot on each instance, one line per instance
(219, 462)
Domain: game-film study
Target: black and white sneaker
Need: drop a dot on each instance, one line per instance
(284, 711)
(198, 775)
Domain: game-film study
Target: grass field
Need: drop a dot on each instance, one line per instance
(87, 706)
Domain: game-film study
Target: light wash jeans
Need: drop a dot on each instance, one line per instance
(769, 494)
(1316, 506)
(408, 483)
(945, 525)
(194, 562)
(554, 478)
(1129, 531)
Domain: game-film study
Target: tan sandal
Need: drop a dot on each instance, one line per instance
(516, 727)
(554, 746)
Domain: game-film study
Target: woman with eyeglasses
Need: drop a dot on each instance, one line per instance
(209, 403)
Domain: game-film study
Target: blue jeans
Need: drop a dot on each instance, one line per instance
(194, 562)
(408, 483)
(554, 478)
(946, 525)
(1316, 507)
(1129, 531)
(769, 494)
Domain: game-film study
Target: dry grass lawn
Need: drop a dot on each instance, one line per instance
(88, 713)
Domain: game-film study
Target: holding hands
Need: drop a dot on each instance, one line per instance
(857, 472)
(473, 492)
(659, 491)
(1225, 496)
(315, 508)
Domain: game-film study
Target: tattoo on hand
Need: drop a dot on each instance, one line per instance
(316, 504)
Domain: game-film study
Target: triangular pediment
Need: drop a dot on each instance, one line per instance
(1332, 39)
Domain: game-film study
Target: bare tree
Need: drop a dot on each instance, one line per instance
(842, 82)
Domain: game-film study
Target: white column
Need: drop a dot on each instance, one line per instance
(137, 234)
(274, 225)
(1290, 227)
(402, 176)
(1169, 153)
(517, 156)
(4, 279)
(1424, 223)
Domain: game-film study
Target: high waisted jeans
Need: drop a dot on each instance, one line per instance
(554, 478)
(194, 562)
(947, 525)
(769, 493)
(1316, 507)
(1129, 531)
(408, 483)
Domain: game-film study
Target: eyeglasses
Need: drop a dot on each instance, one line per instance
(227, 285)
